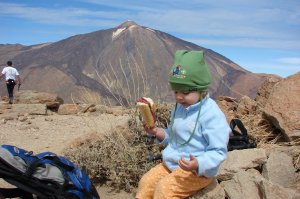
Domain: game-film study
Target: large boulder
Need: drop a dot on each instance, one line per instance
(228, 106)
(274, 167)
(68, 109)
(243, 185)
(283, 107)
(240, 176)
(265, 89)
(246, 106)
(241, 160)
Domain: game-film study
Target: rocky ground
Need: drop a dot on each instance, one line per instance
(54, 132)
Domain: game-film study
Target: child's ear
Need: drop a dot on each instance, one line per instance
(202, 94)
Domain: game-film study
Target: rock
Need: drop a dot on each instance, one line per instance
(241, 160)
(282, 108)
(68, 109)
(88, 108)
(213, 191)
(274, 167)
(292, 151)
(265, 89)
(246, 106)
(274, 191)
(92, 109)
(33, 97)
(22, 119)
(243, 185)
(228, 106)
(2, 121)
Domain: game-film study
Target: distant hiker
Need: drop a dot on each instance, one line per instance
(196, 138)
(12, 78)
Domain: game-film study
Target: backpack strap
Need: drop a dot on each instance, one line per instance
(15, 192)
(239, 124)
(239, 139)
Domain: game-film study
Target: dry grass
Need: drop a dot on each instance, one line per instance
(260, 129)
(129, 81)
(88, 97)
(120, 157)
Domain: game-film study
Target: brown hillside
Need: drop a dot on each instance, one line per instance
(119, 64)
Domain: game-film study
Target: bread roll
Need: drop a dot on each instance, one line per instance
(147, 109)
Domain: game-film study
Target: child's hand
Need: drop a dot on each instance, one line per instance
(188, 165)
(157, 132)
(150, 130)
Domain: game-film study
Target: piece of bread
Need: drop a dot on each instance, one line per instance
(147, 109)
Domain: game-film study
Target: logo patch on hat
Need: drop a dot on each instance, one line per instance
(178, 72)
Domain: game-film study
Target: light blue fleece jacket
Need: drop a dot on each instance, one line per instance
(209, 142)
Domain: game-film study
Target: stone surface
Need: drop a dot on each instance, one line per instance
(283, 107)
(274, 167)
(68, 109)
(274, 191)
(241, 160)
(265, 89)
(243, 185)
(246, 106)
(213, 191)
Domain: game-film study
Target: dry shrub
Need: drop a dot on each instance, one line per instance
(163, 114)
(87, 96)
(120, 157)
(259, 129)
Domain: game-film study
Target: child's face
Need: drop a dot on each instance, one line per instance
(187, 98)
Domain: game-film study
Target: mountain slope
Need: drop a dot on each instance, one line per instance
(121, 64)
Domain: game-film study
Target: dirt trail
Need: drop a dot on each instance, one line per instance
(55, 132)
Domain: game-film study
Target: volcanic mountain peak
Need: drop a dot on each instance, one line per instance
(111, 70)
(124, 26)
(127, 24)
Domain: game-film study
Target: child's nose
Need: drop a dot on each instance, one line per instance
(178, 96)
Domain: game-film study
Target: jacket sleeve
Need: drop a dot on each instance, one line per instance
(216, 133)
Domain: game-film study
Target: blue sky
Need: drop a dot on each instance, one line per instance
(262, 36)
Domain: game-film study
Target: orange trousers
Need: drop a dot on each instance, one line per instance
(161, 183)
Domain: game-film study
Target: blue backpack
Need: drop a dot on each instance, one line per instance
(45, 175)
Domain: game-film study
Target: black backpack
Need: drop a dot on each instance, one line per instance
(46, 175)
(239, 138)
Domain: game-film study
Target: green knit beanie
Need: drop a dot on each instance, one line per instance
(189, 72)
